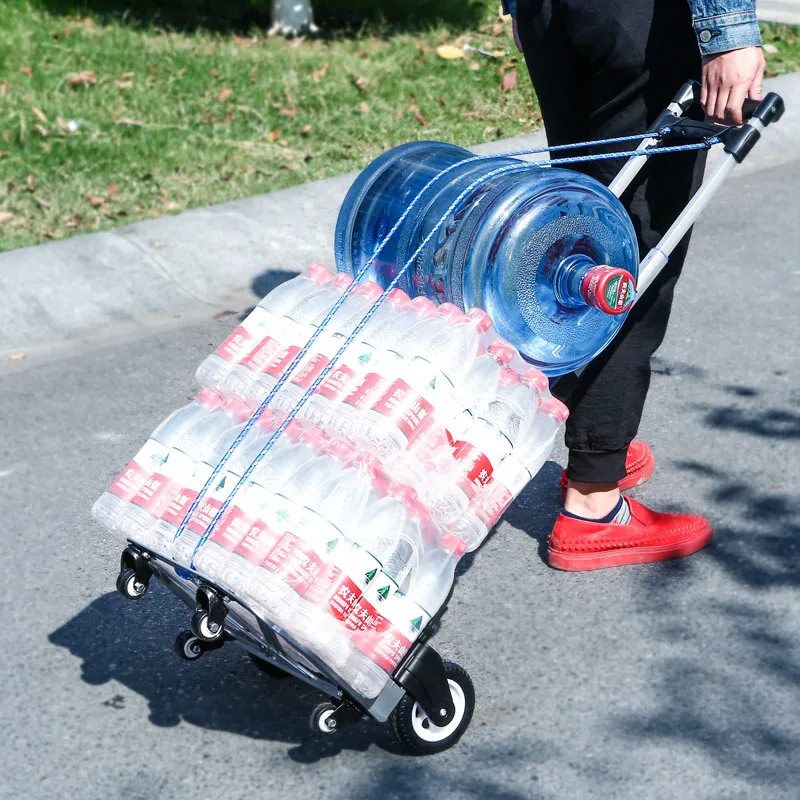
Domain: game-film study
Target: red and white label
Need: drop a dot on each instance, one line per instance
(144, 464)
(490, 505)
(232, 528)
(337, 383)
(341, 584)
(261, 356)
(370, 387)
(405, 408)
(310, 371)
(257, 543)
(278, 365)
(237, 346)
(474, 466)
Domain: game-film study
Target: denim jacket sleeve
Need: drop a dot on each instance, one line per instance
(719, 25)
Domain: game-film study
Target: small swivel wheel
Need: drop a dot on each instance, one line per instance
(322, 719)
(188, 646)
(268, 668)
(418, 733)
(128, 585)
(204, 628)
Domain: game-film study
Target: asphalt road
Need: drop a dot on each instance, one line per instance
(677, 680)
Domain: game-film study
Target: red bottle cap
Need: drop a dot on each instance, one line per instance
(370, 290)
(318, 272)
(404, 492)
(315, 437)
(238, 408)
(508, 377)
(454, 544)
(341, 450)
(342, 280)
(535, 379)
(398, 299)
(450, 312)
(479, 319)
(266, 421)
(556, 409)
(501, 351)
(294, 430)
(609, 289)
(424, 306)
(210, 397)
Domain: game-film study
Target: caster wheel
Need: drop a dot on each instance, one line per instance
(188, 646)
(129, 586)
(204, 629)
(268, 668)
(418, 733)
(321, 721)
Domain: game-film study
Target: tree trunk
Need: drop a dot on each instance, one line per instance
(291, 18)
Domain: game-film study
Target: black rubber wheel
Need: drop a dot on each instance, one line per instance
(203, 629)
(320, 716)
(268, 668)
(129, 586)
(417, 733)
(188, 646)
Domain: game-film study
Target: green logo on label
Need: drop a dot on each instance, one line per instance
(384, 592)
(332, 544)
(416, 623)
(370, 575)
(365, 357)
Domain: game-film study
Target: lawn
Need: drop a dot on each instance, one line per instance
(105, 120)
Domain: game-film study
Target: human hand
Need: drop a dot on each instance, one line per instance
(517, 42)
(728, 80)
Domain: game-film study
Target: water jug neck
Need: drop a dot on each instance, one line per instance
(580, 282)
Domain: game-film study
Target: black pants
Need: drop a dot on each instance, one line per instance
(606, 68)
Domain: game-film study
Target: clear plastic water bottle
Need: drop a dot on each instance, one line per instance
(511, 477)
(181, 477)
(267, 322)
(549, 253)
(110, 506)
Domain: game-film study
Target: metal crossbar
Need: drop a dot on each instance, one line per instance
(287, 374)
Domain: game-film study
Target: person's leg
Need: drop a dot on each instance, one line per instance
(625, 61)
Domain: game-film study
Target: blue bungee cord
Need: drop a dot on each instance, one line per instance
(524, 165)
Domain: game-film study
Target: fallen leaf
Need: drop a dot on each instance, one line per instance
(442, 101)
(133, 122)
(224, 95)
(84, 78)
(31, 183)
(5, 153)
(449, 52)
(40, 114)
(288, 112)
(172, 206)
(63, 124)
(41, 130)
(95, 202)
(474, 66)
(769, 48)
(225, 314)
(509, 81)
(318, 74)
(498, 53)
(422, 121)
(497, 29)
(18, 357)
(398, 114)
(180, 73)
(43, 203)
(361, 83)
(273, 136)
(113, 188)
(306, 130)
(27, 71)
(123, 85)
(123, 76)
(5, 216)
(363, 107)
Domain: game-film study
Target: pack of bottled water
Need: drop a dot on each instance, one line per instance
(347, 532)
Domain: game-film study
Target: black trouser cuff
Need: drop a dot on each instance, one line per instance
(592, 466)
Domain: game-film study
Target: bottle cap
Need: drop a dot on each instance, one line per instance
(370, 290)
(398, 299)
(380, 483)
(424, 306)
(266, 420)
(450, 312)
(508, 377)
(371, 464)
(609, 289)
(555, 408)
(315, 437)
(318, 272)
(535, 379)
(456, 545)
(404, 492)
(294, 430)
(342, 280)
(341, 450)
(501, 351)
(421, 512)
(209, 397)
(237, 407)
(479, 319)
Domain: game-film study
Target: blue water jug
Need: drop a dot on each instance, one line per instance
(548, 253)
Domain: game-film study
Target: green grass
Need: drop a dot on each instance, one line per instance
(177, 120)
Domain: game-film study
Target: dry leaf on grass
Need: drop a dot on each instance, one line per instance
(27, 71)
(123, 85)
(769, 48)
(273, 136)
(361, 83)
(18, 357)
(5, 216)
(123, 76)
(509, 81)
(113, 188)
(224, 95)
(288, 112)
(318, 74)
(42, 131)
(63, 125)
(30, 182)
(474, 66)
(134, 122)
(43, 203)
(40, 114)
(449, 52)
(363, 107)
(422, 121)
(306, 130)
(84, 78)
(95, 202)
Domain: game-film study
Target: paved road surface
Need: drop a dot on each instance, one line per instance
(679, 680)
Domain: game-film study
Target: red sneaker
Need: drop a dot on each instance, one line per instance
(576, 544)
(639, 466)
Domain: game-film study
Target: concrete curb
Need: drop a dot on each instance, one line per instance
(203, 260)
